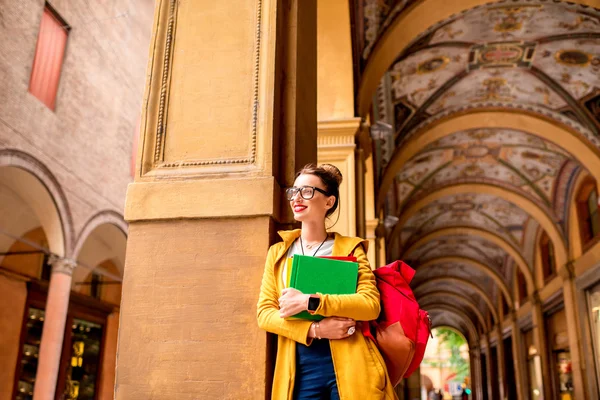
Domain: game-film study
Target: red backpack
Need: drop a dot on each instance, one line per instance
(402, 329)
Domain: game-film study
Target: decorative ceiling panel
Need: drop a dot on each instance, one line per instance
(574, 64)
(440, 286)
(515, 158)
(524, 20)
(498, 84)
(473, 247)
(455, 269)
(483, 211)
(417, 77)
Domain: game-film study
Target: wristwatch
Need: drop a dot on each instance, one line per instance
(313, 303)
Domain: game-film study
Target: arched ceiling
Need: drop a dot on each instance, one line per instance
(532, 57)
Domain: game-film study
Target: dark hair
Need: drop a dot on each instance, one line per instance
(331, 177)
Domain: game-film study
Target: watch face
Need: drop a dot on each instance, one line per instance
(313, 303)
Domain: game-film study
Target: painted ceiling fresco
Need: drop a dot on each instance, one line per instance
(444, 318)
(534, 55)
(494, 156)
(473, 247)
(424, 292)
(376, 16)
(531, 53)
(458, 270)
(483, 211)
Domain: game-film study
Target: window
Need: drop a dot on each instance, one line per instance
(49, 53)
(547, 254)
(587, 211)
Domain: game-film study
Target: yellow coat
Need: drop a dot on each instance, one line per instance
(359, 367)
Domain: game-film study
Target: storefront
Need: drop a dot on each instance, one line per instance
(588, 287)
(85, 342)
(559, 353)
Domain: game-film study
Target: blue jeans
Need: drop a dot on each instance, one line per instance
(315, 376)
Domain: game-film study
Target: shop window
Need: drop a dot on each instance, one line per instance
(594, 310)
(29, 353)
(81, 360)
(84, 360)
(587, 210)
(48, 59)
(547, 255)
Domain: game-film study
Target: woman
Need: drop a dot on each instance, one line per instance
(330, 359)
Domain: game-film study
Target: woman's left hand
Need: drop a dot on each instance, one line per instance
(292, 302)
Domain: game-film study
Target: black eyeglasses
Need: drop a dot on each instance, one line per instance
(307, 192)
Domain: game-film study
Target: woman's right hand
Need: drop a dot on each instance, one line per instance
(334, 327)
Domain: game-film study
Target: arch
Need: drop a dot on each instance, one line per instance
(33, 181)
(529, 206)
(573, 224)
(407, 27)
(459, 313)
(528, 122)
(104, 237)
(469, 284)
(491, 272)
(465, 301)
(103, 217)
(493, 238)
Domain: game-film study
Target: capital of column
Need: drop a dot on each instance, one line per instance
(62, 265)
(535, 299)
(567, 272)
(380, 230)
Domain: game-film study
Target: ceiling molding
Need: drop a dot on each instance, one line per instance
(448, 279)
(489, 236)
(534, 210)
(569, 136)
(490, 271)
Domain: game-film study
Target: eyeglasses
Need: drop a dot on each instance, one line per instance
(307, 192)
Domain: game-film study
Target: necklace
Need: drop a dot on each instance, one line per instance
(318, 248)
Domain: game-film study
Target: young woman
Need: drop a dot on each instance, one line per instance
(330, 359)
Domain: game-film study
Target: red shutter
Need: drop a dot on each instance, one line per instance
(47, 63)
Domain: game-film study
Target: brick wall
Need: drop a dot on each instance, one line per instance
(87, 141)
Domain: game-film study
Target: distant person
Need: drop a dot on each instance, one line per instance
(464, 395)
(331, 358)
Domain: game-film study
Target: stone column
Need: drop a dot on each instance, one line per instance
(518, 361)
(540, 341)
(476, 375)
(567, 274)
(229, 115)
(413, 385)
(488, 366)
(501, 362)
(51, 345)
(336, 145)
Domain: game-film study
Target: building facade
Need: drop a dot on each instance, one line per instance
(468, 134)
(72, 86)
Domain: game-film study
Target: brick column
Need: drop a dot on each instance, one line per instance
(51, 346)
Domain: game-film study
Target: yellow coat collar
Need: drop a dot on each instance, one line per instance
(342, 245)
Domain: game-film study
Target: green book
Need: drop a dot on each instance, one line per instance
(312, 275)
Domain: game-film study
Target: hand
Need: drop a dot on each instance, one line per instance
(292, 302)
(335, 327)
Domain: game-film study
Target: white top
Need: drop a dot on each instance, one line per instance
(296, 248)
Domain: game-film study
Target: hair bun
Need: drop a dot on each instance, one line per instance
(334, 172)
